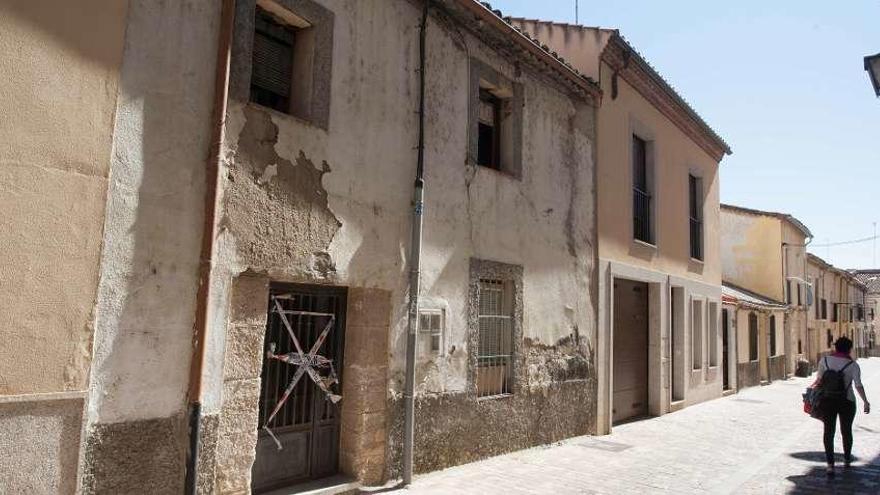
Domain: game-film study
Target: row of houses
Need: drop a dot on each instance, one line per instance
(207, 201)
(786, 306)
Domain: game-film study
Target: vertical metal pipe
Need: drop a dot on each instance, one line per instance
(212, 168)
(415, 266)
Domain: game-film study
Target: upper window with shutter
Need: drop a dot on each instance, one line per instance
(272, 69)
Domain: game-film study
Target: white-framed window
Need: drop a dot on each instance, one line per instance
(431, 325)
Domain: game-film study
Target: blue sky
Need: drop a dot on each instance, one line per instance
(783, 82)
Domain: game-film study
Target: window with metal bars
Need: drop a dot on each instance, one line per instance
(753, 337)
(494, 373)
(695, 193)
(272, 64)
(641, 191)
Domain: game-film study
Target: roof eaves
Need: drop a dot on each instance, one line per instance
(673, 93)
(783, 216)
(495, 17)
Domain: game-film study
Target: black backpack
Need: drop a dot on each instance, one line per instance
(833, 384)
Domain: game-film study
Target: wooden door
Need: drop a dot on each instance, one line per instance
(630, 350)
(307, 425)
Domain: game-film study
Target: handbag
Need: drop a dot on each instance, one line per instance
(812, 403)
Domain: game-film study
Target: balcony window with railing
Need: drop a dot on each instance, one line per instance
(641, 192)
(695, 193)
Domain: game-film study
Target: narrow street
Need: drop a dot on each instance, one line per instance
(756, 442)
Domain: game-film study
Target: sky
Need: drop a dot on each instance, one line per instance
(783, 82)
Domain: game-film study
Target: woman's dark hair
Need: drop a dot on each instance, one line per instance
(843, 344)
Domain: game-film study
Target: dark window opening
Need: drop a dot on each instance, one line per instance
(800, 347)
(824, 309)
(772, 336)
(830, 338)
(753, 337)
(799, 294)
(272, 69)
(833, 311)
(696, 216)
(489, 131)
(641, 196)
(788, 291)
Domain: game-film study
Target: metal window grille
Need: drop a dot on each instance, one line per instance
(494, 373)
(696, 217)
(431, 325)
(272, 64)
(641, 196)
(753, 337)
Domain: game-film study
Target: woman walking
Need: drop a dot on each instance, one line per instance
(837, 375)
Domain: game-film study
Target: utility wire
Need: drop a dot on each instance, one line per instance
(854, 241)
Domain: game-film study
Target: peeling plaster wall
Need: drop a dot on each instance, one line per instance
(332, 206)
(149, 270)
(751, 252)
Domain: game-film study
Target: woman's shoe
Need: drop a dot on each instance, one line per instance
(829, 471)
(847, 461)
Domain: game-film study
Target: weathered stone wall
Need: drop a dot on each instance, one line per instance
(316, 202)
(777, 367)
(748, 374)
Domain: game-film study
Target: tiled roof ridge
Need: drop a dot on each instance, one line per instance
(767, 300)
(537, 43)
(652, 71)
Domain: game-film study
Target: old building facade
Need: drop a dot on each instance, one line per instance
(871, 279)
(765, 253)
(756, 323)
(249, 174)
(659, 346)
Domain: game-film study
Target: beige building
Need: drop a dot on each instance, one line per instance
(245, 168)
(757, 327)
(60, 85)
(871, 279)
(659, 345)
(765, 253)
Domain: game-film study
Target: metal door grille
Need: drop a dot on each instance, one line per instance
(495, 354)
(307, 424)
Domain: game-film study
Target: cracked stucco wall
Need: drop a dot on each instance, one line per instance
(309, 204)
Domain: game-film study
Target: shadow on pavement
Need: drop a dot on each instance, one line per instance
(861, 477)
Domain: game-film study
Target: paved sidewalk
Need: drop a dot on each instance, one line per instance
(756, 442)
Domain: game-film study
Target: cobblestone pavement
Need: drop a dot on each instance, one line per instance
(758, 441)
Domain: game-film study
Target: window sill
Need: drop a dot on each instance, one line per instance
(501, 172)
(698, 261)
(644, 244)
(494, 397)
(284, 115)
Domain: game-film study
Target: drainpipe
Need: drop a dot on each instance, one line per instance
(414, 270)
(212, 168)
